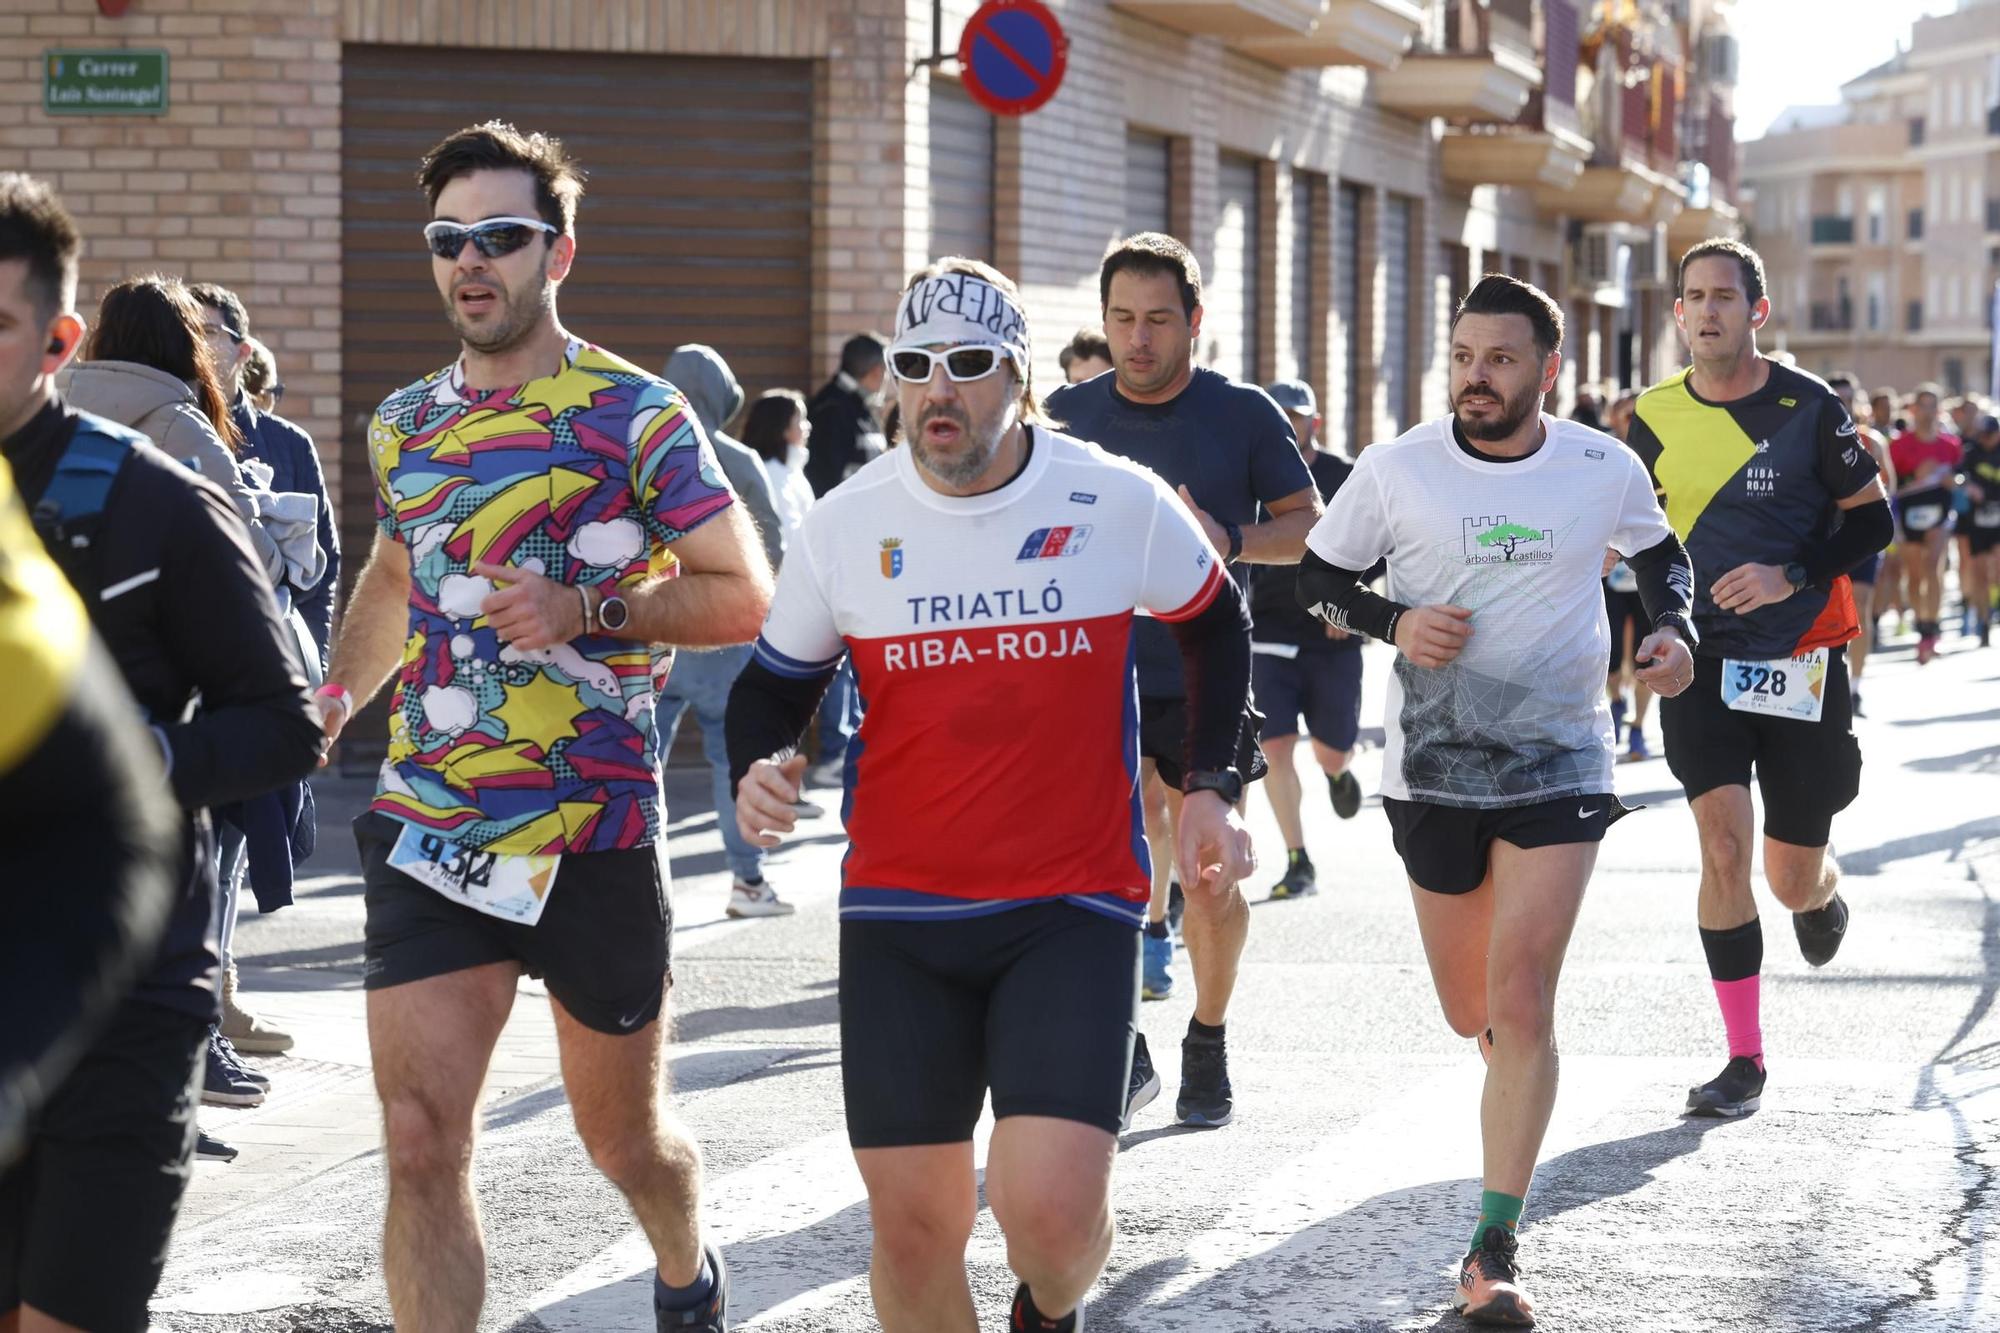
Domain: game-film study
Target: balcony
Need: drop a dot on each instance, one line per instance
(1221, 18)
(1693, 225)
(1546, 147)
(1375, 33)
(1827, 230)
(1481, 72)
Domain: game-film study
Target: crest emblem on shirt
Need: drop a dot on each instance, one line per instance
(892, 557)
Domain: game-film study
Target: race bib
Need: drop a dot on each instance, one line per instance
(513, 888)
(1793, 687)
(1922, 518)
(1986, 516)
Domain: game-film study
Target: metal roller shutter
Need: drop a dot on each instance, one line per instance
(961, 176)
(1148, 182)
(1347, 293)
(1229, 326)
(1299, 363)
(695, 224)
(1396, 244)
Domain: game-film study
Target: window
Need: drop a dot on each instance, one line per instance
(1233, 312)
(1878, 300)
(1878, 215)
(1305, 306)
(1149, 182)
(1845, 206)
(1398, 259)
(1347, 296)
(961, 173)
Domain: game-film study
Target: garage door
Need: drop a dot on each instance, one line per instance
(1347, 296)
(1299, 362)
(694, 226)
(961, 176)
(1229, 326)
(1396, 248)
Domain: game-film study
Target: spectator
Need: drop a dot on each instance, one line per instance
(846, 430)
(261, 384)
(710, 387)
(1087, 356)
(777, 429)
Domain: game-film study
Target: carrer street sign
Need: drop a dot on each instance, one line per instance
(104, 83)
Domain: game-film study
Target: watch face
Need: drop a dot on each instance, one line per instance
(612, 613)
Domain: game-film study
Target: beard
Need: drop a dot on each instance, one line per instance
(517, 315)
(961, 469)
(1513, 411)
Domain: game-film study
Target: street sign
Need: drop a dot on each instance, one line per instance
(104, 83)
(1012, 56)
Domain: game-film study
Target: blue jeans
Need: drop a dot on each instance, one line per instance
(701, 681)
(839, 713)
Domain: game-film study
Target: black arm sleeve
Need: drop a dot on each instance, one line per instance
(1215, 661)
(1340, 598)
(767, 714)
(1864, 530)
(1666, 583)
(256, 729)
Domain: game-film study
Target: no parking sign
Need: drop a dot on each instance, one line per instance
(1012, 56)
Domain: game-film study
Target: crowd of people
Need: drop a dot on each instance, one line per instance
(1153, 581)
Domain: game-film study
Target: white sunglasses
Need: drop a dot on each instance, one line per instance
(969, 361)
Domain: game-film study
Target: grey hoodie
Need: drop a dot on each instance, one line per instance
(700, 373)
(163, 408)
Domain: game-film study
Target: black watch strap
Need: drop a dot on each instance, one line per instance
(1235, 535)
(1680, 624)
(1225, 782)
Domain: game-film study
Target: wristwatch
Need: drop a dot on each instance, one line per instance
(1680, 625)
(1235, 535)
(612, 613)
(1795, 574)
(1226, 783)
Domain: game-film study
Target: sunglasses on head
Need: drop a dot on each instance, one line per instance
(493, 237)
(914, 365)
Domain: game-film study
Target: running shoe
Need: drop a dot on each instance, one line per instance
(1176, 907)
(1637, 753)
(224, 1080)
(1618, 719)
(1346, 791)
(711, 1316)
(1144, 1084)
(1156, 981)
(1206, 1101)
(1927, 646)
(827, 773)
(1489, 1283)
(808, 809)
(1298, 881)
(1854, 702)
(1737, 1090)
(759, 899)
(1821, 930)
(208, 1148)
(1025, 1318)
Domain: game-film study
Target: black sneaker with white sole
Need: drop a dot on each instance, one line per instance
(1144, 1084)
(208, 1148)
(712, 1315)
(1821, 931)
(1206, 1101)
(1736, 1091)
(1345, 789)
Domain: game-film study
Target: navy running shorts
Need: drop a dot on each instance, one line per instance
(1163, 727)
(1322, 685)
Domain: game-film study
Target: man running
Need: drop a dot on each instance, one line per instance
(1497, 774)
(1087, 356)
(984, 579)
(1764, 478)
(1301, 667)
(531, 500)
(1926, 460)
(1979, 568)
(1229, 451)
(1862, 577)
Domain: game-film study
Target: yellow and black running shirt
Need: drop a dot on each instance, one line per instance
(43, 632)
(1756, 481)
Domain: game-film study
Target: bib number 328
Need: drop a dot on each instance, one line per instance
(512, 888)
(1789, 687)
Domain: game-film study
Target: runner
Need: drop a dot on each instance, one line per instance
(1497, 774)
(180, 600)
(1757, 462)
(1229, 451)
(1926, 460)
(1626, 611)
(1087, 356)
(983, 579)
(1863, 576)
(1979, 564)
(1300, 666)
(529, 499)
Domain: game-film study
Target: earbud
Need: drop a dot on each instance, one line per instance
(55, 347)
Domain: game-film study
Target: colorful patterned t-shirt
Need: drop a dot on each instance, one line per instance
(583, 476)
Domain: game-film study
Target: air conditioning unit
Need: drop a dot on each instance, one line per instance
(1601, 264)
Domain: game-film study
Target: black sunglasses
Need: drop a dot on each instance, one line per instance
(493, 237)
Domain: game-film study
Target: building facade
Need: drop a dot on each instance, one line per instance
(764, 174)
(1879, 219)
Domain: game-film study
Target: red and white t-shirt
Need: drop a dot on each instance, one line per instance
(997, 759)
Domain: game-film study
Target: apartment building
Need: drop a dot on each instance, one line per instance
(765, 173)
(1879, 219)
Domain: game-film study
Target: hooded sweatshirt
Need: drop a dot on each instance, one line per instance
(701, 374)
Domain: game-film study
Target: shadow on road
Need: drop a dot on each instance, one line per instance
(1956, 840)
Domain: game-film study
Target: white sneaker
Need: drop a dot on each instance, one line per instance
(758, 899)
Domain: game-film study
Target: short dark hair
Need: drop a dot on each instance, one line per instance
(1746, 259)
(1931, 387)
(862, 353)
(1498, 294)
(236, 318)
(1088, 344)
(1152, 252)
(498, 146)
(35, 226)
(1843, 379)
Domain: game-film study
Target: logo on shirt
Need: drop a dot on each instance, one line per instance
(1495, 541)
(1049, 543)
(1083, 497)
(1593, 453)
(892, 557)
(1763, 446)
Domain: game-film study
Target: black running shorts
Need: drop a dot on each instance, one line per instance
(1163, 725)
(601, 945)
(1445, 848)
(1625, 608)
(1038, 1003)
(1807, 772)
(86, 1214)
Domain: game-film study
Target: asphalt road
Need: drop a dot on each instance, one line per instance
(1861, 1197)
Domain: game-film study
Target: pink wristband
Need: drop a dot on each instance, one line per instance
(339, 693)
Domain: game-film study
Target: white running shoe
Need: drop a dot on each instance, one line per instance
(758, 899)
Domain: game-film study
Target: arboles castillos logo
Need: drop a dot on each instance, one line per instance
(1495, 541)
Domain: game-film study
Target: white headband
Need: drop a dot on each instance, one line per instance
(961, 308)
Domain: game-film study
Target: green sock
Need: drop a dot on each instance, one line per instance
(1494, 1206)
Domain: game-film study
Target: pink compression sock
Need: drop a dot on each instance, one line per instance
(1739, 1017)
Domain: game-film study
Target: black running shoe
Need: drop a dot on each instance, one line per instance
(1737, 1090)
(1205, 1101)
(1346, 791)
(1025, 1318)
(208, 1148)
(712, 1315)
(1820, 931)
(1143, 1086)
(1299, 880)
